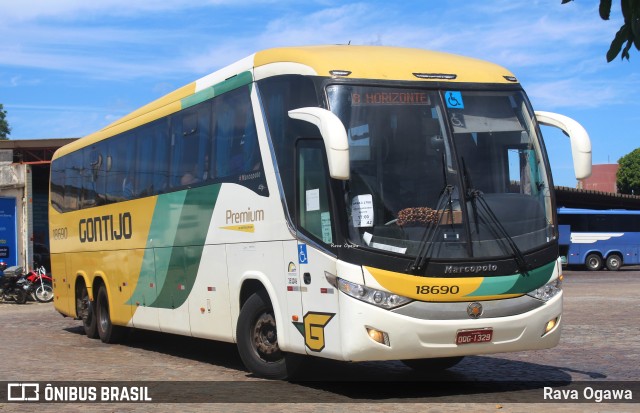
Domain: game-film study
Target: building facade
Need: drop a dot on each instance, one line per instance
(603, 178)
(24, 177)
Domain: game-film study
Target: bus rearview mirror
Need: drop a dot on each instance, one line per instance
(334, 136)
(580, 142)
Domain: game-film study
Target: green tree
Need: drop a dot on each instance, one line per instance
(5, 130)
(628, 175)
(629, 33)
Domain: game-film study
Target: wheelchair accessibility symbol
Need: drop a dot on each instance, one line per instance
(302, 254)
(454, 100)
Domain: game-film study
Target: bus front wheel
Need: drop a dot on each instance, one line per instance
(258, 340)
(593, 262)
(614, 262)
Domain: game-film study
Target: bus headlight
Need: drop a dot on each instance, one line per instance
(369, 295)
(547, 291)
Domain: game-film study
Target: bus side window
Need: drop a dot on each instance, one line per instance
(190, 142)
(249, 146)
(177, 168)
(161, 158)
(314, 206)
(92, 176)
(57, 184)
(120, 180)
(203, 145)
(144, 163)
(224, 139)
(236, 139)
(280, 94)
(73, 181)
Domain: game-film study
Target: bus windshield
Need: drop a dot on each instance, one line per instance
(445, 174)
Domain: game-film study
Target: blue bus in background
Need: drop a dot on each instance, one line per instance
(599, 238)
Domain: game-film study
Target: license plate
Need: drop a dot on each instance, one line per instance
(482, 335)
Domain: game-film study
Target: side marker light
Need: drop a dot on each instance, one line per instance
(378, 336)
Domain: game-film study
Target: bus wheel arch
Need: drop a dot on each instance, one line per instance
(614, 261)
(593, 262)
(85, 307)
(250, 287)
(257, 338)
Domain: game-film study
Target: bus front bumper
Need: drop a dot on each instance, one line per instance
(413, 338)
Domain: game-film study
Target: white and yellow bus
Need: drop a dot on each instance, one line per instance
(354, 203)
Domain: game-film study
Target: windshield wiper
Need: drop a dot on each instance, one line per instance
(477, 197)
(426, 241)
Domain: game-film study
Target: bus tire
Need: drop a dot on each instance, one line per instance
(614, 262)
(257, 338)
(108, 332)
(86, 310)
(432, 365)
(593, 262)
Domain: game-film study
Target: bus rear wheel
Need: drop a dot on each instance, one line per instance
(593, 262)
(108, 332)
(85, 309)
(258, 340)
(614, 262)
(432, 365)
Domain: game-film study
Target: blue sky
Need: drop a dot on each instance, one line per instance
(70, 67)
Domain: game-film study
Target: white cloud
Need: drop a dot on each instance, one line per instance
(502, 31)
(610, 87)
(81, 9)
(557, 51)
(572, 93)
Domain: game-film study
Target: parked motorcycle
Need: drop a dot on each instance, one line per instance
(12, 284)
(40, 285)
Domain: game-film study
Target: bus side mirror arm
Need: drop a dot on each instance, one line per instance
(580, 142)
(334, 136)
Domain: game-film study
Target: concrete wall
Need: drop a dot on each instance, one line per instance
(14, 184)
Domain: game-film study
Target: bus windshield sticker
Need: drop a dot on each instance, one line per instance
(362, 211)
(313, 200)
(325, 218)
(367, 237)
(454, 99)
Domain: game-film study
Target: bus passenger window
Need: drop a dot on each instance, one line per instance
(73, 180)
(236, 139)
(119, 185)
(224, 141)
(160, 174)
(57, 184)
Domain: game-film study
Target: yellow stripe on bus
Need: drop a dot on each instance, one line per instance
(431, 288)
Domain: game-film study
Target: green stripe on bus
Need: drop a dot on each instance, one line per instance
(515, 284)
(242, 79)
(164, 225)
(174, 247)
(535, 279)
(494, 286)
(180, 263)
